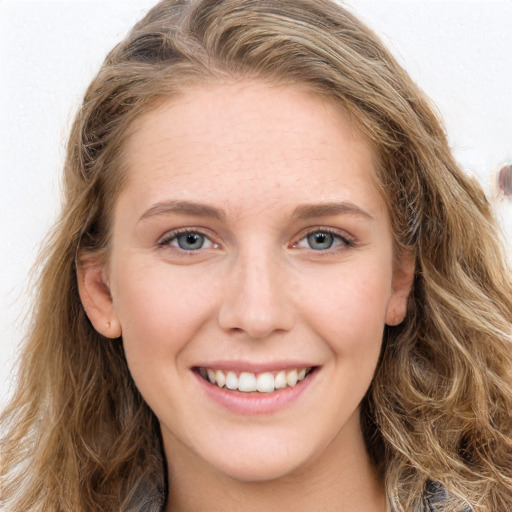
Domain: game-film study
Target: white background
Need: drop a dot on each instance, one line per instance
(459, 52)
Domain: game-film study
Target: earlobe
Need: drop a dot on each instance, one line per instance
(402, 281)
(96, 298)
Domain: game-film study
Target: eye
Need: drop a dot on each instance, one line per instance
(190, 241)
(320, 241)
(323, 240)
(187, 241)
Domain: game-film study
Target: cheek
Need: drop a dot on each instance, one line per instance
(160, 310)
(348, 312)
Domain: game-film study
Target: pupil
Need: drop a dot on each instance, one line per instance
(190, 241)
(320, 241)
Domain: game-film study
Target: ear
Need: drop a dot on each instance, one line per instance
(95, 295)
(401, 285)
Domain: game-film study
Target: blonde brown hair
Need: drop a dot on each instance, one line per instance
(438, 413)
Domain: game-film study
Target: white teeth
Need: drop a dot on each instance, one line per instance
(249, 382)
(265, 383)
(211, 375)
(280, 380)
(291, 377)
(220, 378)
(231, 381)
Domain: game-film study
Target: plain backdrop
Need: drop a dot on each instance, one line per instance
(459, 52)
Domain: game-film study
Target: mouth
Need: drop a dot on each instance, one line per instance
(249, 382)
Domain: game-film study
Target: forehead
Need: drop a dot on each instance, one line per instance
(252, 142)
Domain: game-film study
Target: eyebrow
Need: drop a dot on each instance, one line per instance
(307, 211)
(302, 212)
(183, 208)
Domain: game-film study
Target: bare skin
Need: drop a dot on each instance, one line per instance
(342, 484)
(250, 237)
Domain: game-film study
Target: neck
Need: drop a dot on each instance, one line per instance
(341, 478)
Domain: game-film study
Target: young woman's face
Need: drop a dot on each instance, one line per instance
(250, 243)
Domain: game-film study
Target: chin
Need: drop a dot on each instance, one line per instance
(274, 460)
(256, 472)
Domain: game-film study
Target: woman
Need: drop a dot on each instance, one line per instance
(270, 287)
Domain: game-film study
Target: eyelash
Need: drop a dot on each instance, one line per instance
(344, 240)
(166, 240)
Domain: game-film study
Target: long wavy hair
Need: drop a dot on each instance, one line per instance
(77, 434)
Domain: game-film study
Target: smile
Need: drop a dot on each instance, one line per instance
(248, 382)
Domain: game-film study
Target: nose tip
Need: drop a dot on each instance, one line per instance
(253, 323)
(257, 302)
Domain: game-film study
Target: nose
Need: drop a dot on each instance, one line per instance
(257, 297)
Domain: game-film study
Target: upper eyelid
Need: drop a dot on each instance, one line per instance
(341, 233)
(173, 233)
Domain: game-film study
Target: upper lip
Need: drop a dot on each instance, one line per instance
(252, 367)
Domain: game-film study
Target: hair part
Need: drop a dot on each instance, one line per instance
(78, 434)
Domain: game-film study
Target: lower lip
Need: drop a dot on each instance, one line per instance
(251, 404)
